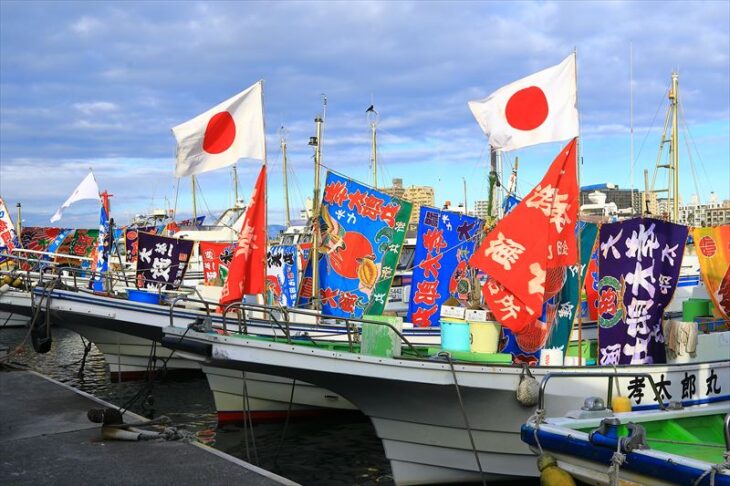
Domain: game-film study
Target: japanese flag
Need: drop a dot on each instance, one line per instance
(232, 130)
(537, 109)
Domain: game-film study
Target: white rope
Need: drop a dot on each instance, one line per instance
(617, 461)
(538, 417)
(716, 468)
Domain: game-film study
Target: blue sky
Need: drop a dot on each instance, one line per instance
(100, 85)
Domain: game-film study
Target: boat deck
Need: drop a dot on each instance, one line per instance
(46, 438)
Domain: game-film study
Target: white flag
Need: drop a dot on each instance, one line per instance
(88, 189)
(219, 137)
(537, 109)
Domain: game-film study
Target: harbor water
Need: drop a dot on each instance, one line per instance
(322, 452)
(312, 452)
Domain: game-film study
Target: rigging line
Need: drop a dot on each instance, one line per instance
(694, 143)
(202, 196)
(648, 130)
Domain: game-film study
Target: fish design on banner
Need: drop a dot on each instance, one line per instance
(8, 238)
(713, 252)
(216, 259)
(282, 275)
(639, 264)
(82, 243)
(162, 261)
(361, 235)
(444, 245)
(39, 238)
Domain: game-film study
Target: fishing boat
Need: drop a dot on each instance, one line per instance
(672, 445)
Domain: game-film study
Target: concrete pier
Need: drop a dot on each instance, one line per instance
(46, 438)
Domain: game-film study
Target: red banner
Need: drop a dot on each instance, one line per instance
(525, 254)
(216, 258)
(247, 274)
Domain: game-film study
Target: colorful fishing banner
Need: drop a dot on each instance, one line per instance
(526, 346)
(162, 261)
(82, 243)
(39, 238)
(131, 236)
(216, 260)
(531, 245)
(444, 244)
(247, 271)
(8, 238)
(567, 299)
(281, 275)
(195, 222)
(639, 263)
(101, 261)
(361, 235)
(713, 252)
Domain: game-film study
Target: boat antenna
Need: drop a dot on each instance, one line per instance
(631, 124)
(282, 137)
(373, 117)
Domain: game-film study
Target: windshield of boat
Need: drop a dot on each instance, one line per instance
(230, 216)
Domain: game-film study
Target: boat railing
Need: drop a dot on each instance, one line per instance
(727, 432)
(608, 375)
(351, 324)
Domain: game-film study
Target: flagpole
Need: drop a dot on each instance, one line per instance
(266, 192)
(579, 307)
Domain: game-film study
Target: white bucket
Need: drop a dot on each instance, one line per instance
(551, 357)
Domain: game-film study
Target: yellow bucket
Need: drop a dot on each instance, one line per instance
(484, 336)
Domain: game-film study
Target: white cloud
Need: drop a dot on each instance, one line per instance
(96, 107)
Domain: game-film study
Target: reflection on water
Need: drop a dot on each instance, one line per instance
(321, 452)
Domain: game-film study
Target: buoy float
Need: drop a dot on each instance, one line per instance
(551, 474)
(620, 404)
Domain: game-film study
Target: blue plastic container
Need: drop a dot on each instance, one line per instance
(143, 296)
(455, 335)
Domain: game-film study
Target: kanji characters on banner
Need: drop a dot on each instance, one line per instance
(131, 236)
(101, 261)
(162, 261)
(282, 275)
(639, 264)
(247, 271)
(526, 346)
(444, 244)
(362, 231)
(713, 252)
(567, 299)
(216, 260)
(526, 253)
(8, 238)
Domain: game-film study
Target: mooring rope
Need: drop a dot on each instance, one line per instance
(466, 418)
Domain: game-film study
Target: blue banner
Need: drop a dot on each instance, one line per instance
(282, 275)
(444, 244)
(101, 264)
(361, 235)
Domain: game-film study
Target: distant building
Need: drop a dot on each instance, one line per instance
(712, 213)
(624, 199)
(418, 195)
(481, 208)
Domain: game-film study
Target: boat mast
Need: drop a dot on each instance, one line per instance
(674, 147)
(316, 142)
(195, 211)
(373, 117)
(672, 189)
(282, 133)
(235, 185)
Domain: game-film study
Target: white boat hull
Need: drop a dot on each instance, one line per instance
(415, 409)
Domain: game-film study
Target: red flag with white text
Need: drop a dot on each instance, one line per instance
(247, 271)
(525, 255)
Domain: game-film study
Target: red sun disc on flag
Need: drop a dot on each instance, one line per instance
(220, 133)
(527, 109)
(707, 246)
